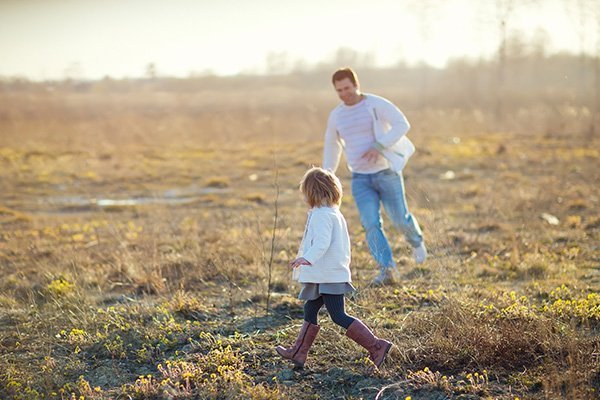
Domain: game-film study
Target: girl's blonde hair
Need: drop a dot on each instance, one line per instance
(321, 188)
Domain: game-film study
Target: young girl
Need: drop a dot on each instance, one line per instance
(323, 268)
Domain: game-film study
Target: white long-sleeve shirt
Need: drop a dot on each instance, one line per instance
(352, 129)
(326, 245)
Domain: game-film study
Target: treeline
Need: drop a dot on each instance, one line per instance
(557, 93)
(471, 81)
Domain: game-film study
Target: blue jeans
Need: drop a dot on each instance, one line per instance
(386, 187)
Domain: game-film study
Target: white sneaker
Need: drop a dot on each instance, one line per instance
(420, 253)
(385, 277)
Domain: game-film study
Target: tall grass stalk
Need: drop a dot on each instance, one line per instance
(273, 237)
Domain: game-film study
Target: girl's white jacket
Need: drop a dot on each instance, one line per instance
(326, 245)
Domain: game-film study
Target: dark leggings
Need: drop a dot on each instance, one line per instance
(335, 306)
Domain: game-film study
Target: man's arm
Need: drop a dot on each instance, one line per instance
(332, 148)
(389, 113)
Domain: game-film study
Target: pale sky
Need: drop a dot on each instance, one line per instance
(50, 39)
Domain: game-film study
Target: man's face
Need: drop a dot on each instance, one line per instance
(347, 91)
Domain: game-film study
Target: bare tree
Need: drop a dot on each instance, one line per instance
(74, 72)
(424, 10)
(278, 63)
(504, 11)
(586, 16)
(150, 71)
(346, 56)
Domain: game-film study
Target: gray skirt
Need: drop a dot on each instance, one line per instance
(312, 291)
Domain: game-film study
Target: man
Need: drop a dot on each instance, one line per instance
(367, 127)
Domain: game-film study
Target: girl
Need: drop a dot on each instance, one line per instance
(323, 268)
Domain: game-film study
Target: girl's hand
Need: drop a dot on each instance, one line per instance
(298, 262)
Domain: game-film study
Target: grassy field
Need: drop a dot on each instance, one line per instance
(145, 237)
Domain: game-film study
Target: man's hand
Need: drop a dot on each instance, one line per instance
(371, 155)
(298, 262)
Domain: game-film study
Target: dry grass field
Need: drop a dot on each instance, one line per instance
(145, 235)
